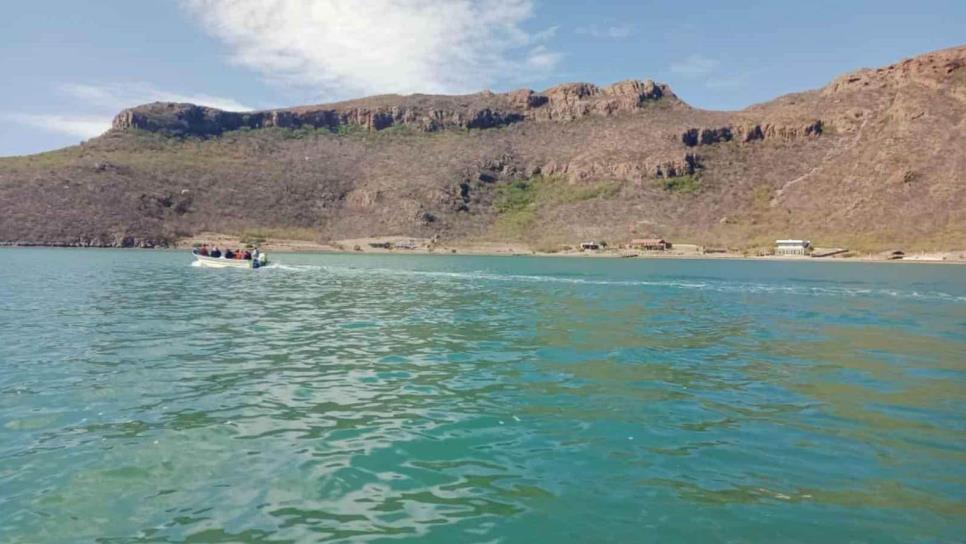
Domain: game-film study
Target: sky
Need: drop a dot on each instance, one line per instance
(69, 66)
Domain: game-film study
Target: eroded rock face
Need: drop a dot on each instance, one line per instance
(706, 136)
(118, 241)
(575, 100)
(480, 111)
(685, 165)
(656, 167)
(749, 133)
(933, 70)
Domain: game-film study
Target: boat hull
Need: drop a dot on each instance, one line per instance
(212, 262)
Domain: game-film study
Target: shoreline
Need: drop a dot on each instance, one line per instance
(424, 247)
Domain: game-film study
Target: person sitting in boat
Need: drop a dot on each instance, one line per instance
(203, 250)
(229, 254)
(215, 252)
(258, 258)
(247, 256)
(239, 254)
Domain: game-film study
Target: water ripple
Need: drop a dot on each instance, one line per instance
(348, 398)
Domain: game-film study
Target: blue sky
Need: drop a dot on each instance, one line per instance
(68, 66)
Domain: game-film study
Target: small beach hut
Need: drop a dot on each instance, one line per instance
(651, 244)
(792, 247)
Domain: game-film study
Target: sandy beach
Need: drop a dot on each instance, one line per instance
(418, 246)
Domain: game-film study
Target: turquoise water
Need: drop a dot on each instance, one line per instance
(479, 399)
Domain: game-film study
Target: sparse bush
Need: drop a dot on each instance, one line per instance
(761, 196)
(689, 183)
(348, 129)
(399, 130)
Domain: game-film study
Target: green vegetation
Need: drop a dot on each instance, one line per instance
(518, 202)
(761, 197)
(689, 183)
(657, 105)
(301, 133)
(399, 130)
(579, 192)
(347, 129)
(515, 196)
(515, 224)
(538, 190)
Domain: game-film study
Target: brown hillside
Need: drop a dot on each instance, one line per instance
(874, 159)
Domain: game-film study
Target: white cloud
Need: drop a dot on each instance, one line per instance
(117, 96)
(727, 83)
(694, 66)
(545, 34)
(348, 48)
(708, 71)
(542, 59)
(80, 126)
(94, 106)
(613, 31)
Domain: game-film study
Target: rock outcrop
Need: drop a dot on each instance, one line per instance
(424, 113)
(933, 70)
(874, 157)
(749, 133)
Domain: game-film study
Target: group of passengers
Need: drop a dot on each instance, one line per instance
(238, 254)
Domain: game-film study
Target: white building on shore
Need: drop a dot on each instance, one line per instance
(792, 247)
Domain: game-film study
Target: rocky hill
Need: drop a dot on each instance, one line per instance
(875, 159)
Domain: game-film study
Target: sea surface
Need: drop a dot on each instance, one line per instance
(447, 399)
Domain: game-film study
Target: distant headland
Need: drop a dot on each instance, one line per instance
(872, 162)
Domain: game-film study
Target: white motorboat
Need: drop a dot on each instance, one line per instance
(221, 262)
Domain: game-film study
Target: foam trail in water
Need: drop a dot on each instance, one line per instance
(717, 286)
(293, 267)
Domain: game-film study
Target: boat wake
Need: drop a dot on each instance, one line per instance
(294, 267)
(722, 286)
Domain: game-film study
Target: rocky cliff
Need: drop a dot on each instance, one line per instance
(874, 159)
(424, 113)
